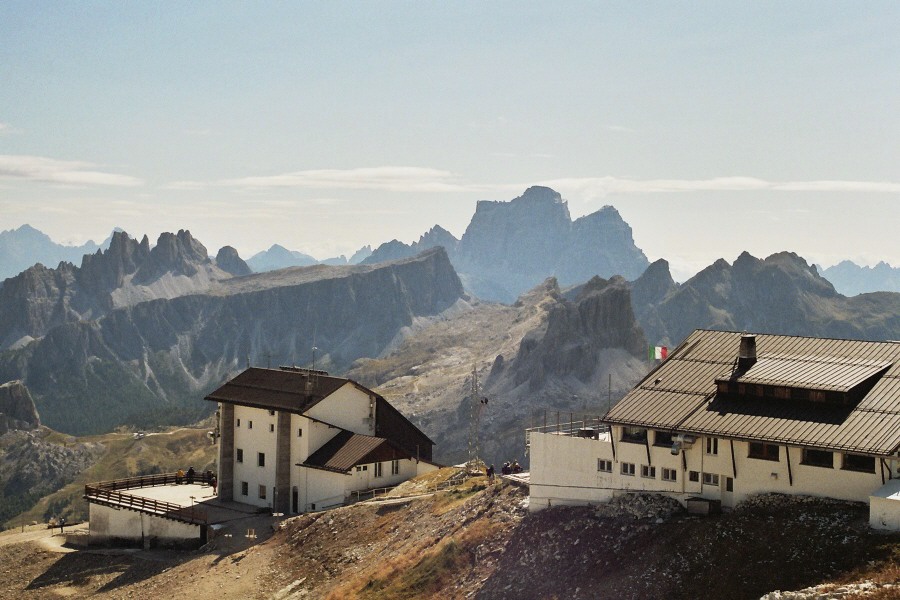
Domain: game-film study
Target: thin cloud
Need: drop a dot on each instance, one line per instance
(392, 179)
(64, 172)
(605, 186)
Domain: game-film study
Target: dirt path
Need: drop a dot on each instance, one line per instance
(51, 539)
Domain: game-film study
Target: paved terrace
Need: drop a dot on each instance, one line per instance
(160, 495)
(588, 428)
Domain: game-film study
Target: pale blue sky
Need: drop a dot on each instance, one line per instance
(713, 127)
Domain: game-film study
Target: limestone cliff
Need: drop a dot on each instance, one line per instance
(152, 362)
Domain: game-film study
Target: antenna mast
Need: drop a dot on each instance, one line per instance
(478, 405)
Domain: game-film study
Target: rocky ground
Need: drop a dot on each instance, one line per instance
(479, 541)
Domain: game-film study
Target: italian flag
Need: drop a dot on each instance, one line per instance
(657, 353)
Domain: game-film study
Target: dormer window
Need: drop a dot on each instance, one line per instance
(636, 435)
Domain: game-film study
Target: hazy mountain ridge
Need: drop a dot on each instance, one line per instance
(279, 257)
(26, 246)
(851, 279)
(509, 247)
(780, 294)
(152, 362)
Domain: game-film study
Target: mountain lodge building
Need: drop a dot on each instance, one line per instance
(299, 440)
(729, 415)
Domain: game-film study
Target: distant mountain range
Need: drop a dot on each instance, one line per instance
(781, 294)
(851, 279)
(26, 246)
(509, 247)
(137, 333)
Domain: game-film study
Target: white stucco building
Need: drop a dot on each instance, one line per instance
(729, 415)
(297, 440)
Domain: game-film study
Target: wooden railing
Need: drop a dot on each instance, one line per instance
(107, 492)
(141, 481)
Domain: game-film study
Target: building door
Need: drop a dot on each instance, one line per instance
(295, 500)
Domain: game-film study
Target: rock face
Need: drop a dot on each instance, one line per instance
(577, 333)
(17, 410)
(153, 361)
(851, 279)
(509, 247)
(230, 261)
(781, 294)
(39, 299)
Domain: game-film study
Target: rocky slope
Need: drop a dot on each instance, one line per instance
(543, 352)
(509, 247)
(780, 294)
(17, 410)
(152, 362)
(479, 541)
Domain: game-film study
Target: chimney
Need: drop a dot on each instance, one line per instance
(747, 353)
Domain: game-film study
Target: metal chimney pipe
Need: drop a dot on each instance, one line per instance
(747, 352)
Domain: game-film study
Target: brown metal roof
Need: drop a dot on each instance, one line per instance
(680, 394)
(277, 389)
(347, 449)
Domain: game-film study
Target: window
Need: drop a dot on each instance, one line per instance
(817, 458)
(669, 474)
(249, 424)
(395, 467)
(648, 472)
(628, 469)
(729, 484)
(712, 446)
(271, 413)
(763, 451)
(710, 479)
(637, 435)
(663, 438)
(300, 432)
(271, 427)
(245, 489)
(240, 455)
(378, 469)
(261, 459)
(857, 462)
(262, 492)
(693, 476)
(604, 466)
(237, 423)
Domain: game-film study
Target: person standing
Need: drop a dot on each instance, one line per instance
(62, 525)
(190, 475)
(214, 483)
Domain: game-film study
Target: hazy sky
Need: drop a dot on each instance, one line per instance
(712, 127)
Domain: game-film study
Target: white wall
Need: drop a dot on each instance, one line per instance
(348, 408)
(109, 525)
(259, 438)
(564, 471)
(325, 488)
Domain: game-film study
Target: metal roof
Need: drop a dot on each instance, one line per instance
(347, 449)
(680, 394)
(811, 372)
(277, 389)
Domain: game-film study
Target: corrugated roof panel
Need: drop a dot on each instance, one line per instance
(873, 427)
